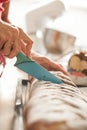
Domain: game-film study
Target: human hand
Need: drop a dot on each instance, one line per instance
(48, 64)
(26, 42)
(51, 65)
(13, 40)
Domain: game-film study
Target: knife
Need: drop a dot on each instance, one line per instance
(34, 69)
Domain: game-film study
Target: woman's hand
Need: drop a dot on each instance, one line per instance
(13, 40)
(48, 64)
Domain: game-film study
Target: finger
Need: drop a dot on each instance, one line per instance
(62, 70)
(3, 40)
(26, 42)
(23, 46)
(26, 47)
(6, 48)
(2, 43)
(15, 49)
(30, 78)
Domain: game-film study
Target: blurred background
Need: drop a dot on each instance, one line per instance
(57, 28)
(70, 16)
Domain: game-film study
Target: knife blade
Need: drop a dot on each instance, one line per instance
(34, 69)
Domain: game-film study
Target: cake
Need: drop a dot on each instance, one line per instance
(77, 68)
(55, 106)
